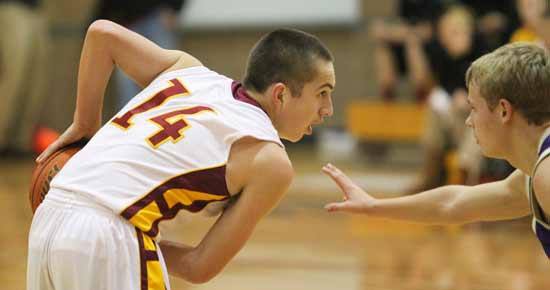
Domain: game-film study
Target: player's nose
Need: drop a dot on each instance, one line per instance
(327, 110)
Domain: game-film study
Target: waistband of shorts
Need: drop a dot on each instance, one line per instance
(68, 199)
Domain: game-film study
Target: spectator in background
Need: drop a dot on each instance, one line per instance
(390, 52)
(155, 19)
(23, 71)
(438, 69)
(534, 26)
(496, 20)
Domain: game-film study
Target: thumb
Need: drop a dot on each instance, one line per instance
(337, 206)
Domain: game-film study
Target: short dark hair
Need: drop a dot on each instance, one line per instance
(284, 55)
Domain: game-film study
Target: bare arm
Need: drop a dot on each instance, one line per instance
(417, 61)
(231, 231)
(454, 204)
(173, 252)
(108, 44)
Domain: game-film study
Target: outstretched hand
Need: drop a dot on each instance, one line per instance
(355, 199)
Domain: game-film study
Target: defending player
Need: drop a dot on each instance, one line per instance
(509, 94)
(192, 139)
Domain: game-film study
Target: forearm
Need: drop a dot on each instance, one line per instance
(175, 255)
(418, 64)
(435, 206)
(453, 204)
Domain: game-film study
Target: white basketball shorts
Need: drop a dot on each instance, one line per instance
(76, 244)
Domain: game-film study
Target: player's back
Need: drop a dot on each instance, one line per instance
(167, 149)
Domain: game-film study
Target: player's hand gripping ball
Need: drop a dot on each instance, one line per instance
(45, 171)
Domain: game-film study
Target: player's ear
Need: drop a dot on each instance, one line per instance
(278, 92)
(505, 110)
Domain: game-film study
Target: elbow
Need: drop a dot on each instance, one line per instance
(197, 276)
(199, 279)
(194, 270)
(101, 28)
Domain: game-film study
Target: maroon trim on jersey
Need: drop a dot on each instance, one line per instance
(196, 206)
(240, 94)
(144, 256)
(211, 181)
(155, 101)
(142, 261)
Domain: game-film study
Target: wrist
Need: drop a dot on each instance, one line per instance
(88, 127)
(372, 207)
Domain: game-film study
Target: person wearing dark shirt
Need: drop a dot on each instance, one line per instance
(496, 20)
(437, 70)
(390, 55)
(128, 12)
(448, 65)
(154, 19)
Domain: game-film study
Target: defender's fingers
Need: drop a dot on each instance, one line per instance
(342, 180)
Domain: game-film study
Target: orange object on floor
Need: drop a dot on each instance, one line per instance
(42, 138)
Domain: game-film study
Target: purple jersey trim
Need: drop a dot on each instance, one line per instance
(545, 145)
(543, 234)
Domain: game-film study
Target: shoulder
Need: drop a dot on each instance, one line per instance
(541, 176)
(516, 181)
(260, 164)
(185, 60)
(271, 174)
(271, 160)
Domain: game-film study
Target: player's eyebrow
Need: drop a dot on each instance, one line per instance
(326, 85)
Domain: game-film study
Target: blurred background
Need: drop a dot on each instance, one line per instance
(398, 128)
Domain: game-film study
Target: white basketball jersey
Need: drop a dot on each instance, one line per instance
(167, 149)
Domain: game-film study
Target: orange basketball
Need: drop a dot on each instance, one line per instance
(44, 172)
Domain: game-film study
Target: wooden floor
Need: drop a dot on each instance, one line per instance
(299, 246)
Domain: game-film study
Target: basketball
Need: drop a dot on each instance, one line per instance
(45, 171)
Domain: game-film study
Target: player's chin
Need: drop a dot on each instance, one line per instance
(294, 138)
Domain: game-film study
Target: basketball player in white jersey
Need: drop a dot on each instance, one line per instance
(509, 94)
(192, 139)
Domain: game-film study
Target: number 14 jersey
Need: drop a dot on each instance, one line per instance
(167, 149)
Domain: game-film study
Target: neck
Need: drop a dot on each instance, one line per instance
(264, 103)
(524, 147)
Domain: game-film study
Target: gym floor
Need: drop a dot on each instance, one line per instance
(300, 246)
